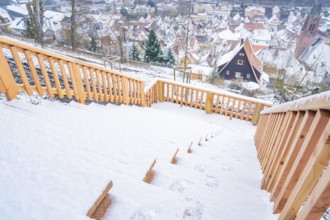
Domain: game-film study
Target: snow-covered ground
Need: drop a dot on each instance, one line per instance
(57, 158)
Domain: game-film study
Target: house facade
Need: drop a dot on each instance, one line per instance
(241, 63)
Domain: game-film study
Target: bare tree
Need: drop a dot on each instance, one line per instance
(73, 24)
(37, 19)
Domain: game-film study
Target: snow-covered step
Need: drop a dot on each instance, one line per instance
(129, 197)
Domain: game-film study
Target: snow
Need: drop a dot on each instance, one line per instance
(57, 158)
(314, 102)
(251, 86)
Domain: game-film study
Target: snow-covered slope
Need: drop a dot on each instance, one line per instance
(57, 158)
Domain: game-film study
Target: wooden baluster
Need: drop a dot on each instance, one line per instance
(73, 79)
(34, 73)
(65, 79)
(44, 73)
(243, 110)
(55, 76)
(227, 107)
(238, 108)
(21, 70)
(95, 94)
(115, 88)
(99, 85)
(232, 108)
(217, 104)
(177, 94)
(88, 88)
(201, 100)
(105, 85)
(222, 104)
(181, 98)
(172, 93)
(7, 80)
(191, 97)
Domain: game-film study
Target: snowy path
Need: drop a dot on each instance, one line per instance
(57, 158)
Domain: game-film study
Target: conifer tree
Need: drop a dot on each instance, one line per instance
(169, 58)
(93, 44)
(135, 54)
(153, 51)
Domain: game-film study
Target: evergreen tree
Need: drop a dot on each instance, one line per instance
(93, 44)
(153, 51)
(135, 54)
(29, 32)
(169, 59)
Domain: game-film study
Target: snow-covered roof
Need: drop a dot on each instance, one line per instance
(4, 14)
(227, 35)
(204, 70)
(19, 10)
(262, 35)
(57, 16)
(18, 24)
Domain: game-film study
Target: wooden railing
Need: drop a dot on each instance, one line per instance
(211, 101)
(31, 69)
(293, 145)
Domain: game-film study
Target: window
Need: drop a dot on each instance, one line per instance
(248, 76)
(227, 72)
(241, 54)
(238, 74)
(240, 62)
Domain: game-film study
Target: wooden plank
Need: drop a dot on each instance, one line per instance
(268, 135)
(303, 155)
(88, 88)
(177, 94)
(263, 134)
(189, 148)
(21, 70)
(191, 97)
(120, 89)
(316, 164)
(283, 156)
(149, 175)
(33, 72)
(172, 93)
(284, 133)
(319, 200)
(209, 103)
(105, 192)
(44, 73)
(181, 98)
(232, 108)
(173, 160)
(65, 79)
(271, 144)
(55, 76)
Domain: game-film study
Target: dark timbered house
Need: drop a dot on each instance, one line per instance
(241, 63)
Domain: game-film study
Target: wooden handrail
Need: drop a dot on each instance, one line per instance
(293, 146)
(55, 74)
(212, 101)
(39, 70)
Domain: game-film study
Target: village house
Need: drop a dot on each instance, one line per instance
(253, 11)
(242, 63)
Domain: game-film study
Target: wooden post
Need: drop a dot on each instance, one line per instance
(97, 203)
(125, 90)
(79, 83)
(160, 87)
(209, 103)
(143, 95)
(256, 114)
(7, 81)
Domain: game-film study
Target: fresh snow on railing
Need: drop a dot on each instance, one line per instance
(318, 101)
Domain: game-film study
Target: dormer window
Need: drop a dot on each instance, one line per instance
(241, 54)
(227, 72)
